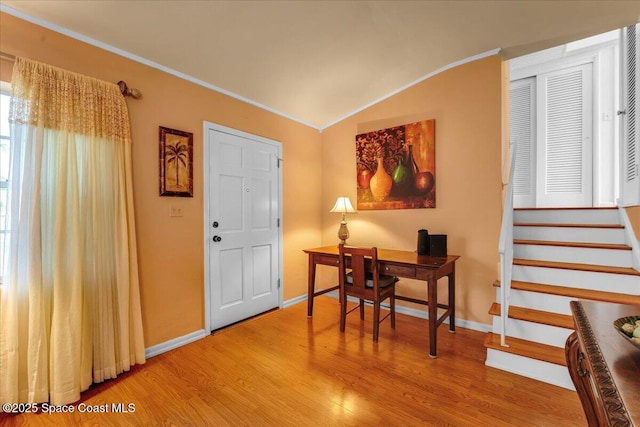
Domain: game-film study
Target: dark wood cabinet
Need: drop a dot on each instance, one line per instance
(604, 367)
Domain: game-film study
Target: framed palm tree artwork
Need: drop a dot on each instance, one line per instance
(176, 163)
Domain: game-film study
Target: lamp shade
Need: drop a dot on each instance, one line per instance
(343, 205)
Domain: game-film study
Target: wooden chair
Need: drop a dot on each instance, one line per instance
(362, 280)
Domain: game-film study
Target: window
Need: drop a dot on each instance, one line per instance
(5, 145)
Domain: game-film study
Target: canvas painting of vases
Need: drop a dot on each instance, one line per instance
(396, 167)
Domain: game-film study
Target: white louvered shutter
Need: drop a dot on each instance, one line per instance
(630, 175)
(564, 128)
(522, 123)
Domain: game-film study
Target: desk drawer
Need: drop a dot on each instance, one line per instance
(326, 260)
(397, 270)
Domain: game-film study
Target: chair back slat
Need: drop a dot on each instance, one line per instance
(358, 261)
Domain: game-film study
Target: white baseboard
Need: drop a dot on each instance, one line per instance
(202, 333)
(422, 314)
(294, 301)
(467, 324)
(157, 349)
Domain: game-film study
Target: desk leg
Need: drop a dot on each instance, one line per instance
(452, 301)
(432, 292)
(311, 283)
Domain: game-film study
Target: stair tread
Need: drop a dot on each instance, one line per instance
(577, 293)
(576, 266)
(600, 226)
(569, 225)
(573, 244)
(536, 316)
(533, 350)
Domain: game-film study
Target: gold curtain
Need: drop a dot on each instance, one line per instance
(70, 310)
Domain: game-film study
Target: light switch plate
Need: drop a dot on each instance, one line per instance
(175, 211)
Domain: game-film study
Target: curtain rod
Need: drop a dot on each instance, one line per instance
(7, 56)
(126, 91)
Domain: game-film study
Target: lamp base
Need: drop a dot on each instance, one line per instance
(343, 232)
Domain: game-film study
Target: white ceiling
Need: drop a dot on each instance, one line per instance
(320, 61)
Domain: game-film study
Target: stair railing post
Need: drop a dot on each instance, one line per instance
(505, 248)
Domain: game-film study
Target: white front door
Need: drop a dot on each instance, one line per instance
(242, 215)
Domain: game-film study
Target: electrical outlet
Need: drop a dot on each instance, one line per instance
(175, 211)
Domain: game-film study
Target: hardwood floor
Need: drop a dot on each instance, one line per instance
(282, 369)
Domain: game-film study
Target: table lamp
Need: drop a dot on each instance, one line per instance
(343, 205)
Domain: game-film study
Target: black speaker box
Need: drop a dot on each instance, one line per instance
(423, 242)
(438, 245)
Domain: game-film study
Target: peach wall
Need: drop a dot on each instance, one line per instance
(171, 250)
(634, 217)
(465, 101)
(466, 104)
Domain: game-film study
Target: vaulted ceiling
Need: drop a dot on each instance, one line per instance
(319, 61)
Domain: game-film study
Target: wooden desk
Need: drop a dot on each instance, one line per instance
(604, 367)
(402, 264)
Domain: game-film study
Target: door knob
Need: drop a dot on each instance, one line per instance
(217, 238)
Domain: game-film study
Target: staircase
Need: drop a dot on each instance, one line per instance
(559, 255)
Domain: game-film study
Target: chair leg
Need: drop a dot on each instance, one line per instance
(392, 307)
(361, 309)
(376, 320)
(343, 312)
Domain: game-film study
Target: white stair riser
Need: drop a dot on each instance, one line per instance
(538, 370)
(536, 332)
(551, 335)
(568, 216)
(595, 256)
(570, 234)
(619, 283)
(538, 301)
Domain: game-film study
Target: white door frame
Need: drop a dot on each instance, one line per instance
(207, 218)
(605, 154)
(629, 186)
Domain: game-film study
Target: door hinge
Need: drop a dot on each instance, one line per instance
(278, 223)
(278, 283)
(279, 160)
